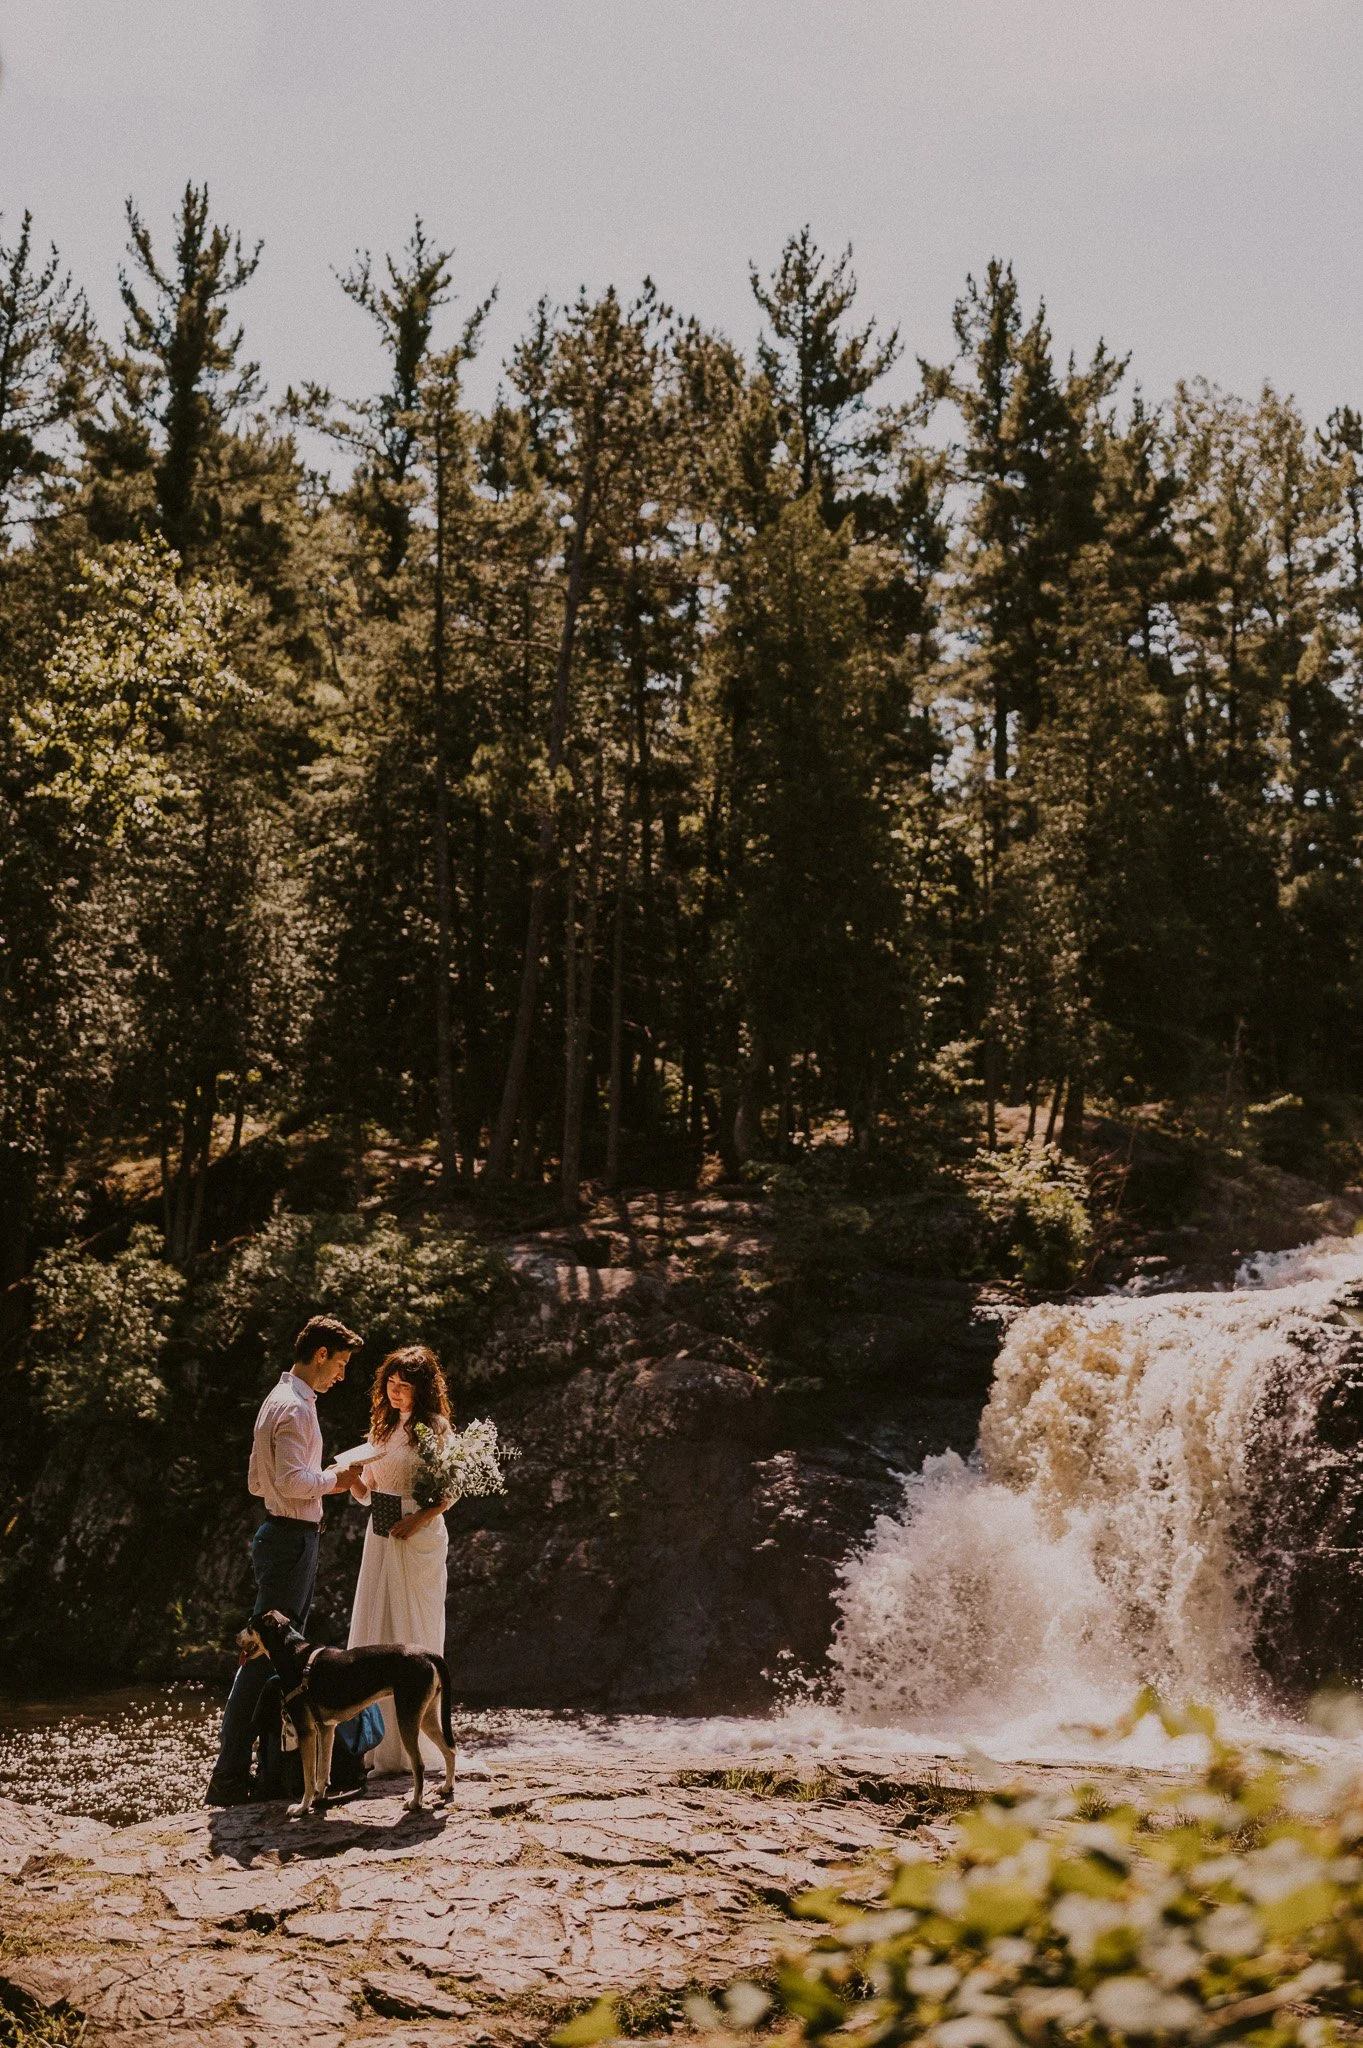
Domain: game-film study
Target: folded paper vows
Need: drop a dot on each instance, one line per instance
(363, 1454)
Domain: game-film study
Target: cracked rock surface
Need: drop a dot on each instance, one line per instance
(477, 1923)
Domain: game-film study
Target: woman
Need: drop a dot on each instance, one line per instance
(400, 1597)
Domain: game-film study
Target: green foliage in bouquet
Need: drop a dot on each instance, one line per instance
(1229, 1909)
(453, 1464)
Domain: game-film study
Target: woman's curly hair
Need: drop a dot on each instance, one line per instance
(419, 1366)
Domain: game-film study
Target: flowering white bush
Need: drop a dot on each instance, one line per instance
(1230, 1909)
(456, 1463)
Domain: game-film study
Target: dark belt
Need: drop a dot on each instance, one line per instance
(294, 1521)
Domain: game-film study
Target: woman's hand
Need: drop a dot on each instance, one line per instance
(409, 1524)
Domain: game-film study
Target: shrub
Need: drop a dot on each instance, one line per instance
(836, 1214)
(1229, 1909)
(1038, 1205)
(394, 1286)
(99, 1330)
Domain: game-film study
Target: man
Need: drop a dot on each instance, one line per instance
(287, 1473)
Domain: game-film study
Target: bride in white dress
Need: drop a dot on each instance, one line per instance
(400, 1597)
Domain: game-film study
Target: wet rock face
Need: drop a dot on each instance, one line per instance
(1304, 1524)
(671, 1537)
(673, 1529)
(535, 1890)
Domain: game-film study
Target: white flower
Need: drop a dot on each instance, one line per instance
(876, 1926)
(455, 1463)
(1283, 1867)
(1010, 1952)
(973, 2030)
(1315, 1977)
(1170, 1961)
(1230, 1931)
(745, 2005)
(1063, 2007)
(1082, 1920)
(1133, 2005)
(977, 1993)
(1104, 1839)
(932, 1980)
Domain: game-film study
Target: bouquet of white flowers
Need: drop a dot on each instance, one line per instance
(453, 1463)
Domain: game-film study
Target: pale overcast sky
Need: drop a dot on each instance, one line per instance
(1184, 177)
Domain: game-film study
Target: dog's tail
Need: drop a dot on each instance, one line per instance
(443, 1673)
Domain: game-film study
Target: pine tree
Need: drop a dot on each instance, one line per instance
(818, 368)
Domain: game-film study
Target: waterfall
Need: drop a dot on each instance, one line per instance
(1167, 1487)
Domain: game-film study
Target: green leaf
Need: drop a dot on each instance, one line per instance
(1089, 1874)
(993, 1909)
(990, 1835)
(825, 1904)
(913, 1884)
(1306, 1907)
(810, 1999)
(600, 2024)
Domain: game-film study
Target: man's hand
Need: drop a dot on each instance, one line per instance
(346, 1480)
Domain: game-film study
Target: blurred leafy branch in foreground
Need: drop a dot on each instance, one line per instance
(1228, 1908)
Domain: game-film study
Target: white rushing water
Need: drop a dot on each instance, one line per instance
(1140, 1458)
(1138, 1461)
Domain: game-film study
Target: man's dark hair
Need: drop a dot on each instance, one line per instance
(323, 1333)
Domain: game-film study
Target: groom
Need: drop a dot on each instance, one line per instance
(286, 1471)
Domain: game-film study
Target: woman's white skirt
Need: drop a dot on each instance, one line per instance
(400, 1598)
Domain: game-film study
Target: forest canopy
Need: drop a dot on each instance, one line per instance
(686, 753)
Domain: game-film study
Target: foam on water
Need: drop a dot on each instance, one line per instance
(1109, 1530)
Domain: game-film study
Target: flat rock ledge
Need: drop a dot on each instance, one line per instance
(482, 1922)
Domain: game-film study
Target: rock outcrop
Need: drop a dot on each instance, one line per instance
(534, 1891)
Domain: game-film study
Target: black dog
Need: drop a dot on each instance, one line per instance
(324, 1687)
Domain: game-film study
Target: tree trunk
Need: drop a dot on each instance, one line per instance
(570, 966)
(201, 1164)
(1056, 1101)
(1072, 1125)
(617, 1077)
(184, 1199)
(645, 985)
(784, 1098)
(444, 1041)
(580, 1013)
(499, 1153)
(991, 1090)
(474, 981)
(748, 1120)
(238, 1120)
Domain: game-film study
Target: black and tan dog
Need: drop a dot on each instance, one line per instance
(323, 1687)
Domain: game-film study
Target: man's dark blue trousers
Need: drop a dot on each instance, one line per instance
(284, 1560)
